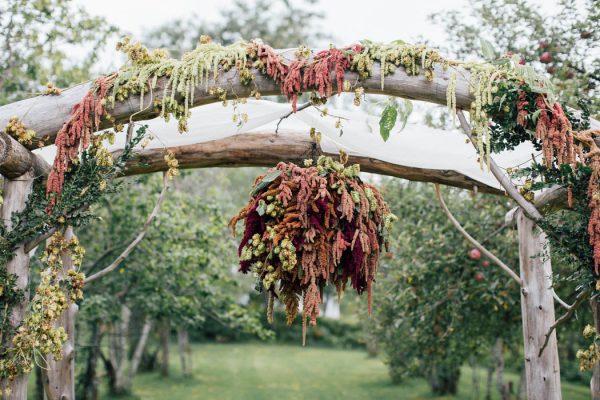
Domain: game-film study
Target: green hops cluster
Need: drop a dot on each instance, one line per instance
(287, 254)
(255, 247)
(371, 198)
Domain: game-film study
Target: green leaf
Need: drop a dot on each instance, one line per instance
(270, 177)
(487, 50)
(405, 112)
(387, 121)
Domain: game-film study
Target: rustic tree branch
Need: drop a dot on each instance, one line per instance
(581, 297)
(15, 159)
(472, 240)
(46, 114)
(137, 239)
(504, 180)
(267, 149)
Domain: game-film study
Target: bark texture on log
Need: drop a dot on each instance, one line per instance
(595, 381)
(537, 310)
(16, 159)
(59, 375)
(267, 149)
(46, 114)
(15, 194)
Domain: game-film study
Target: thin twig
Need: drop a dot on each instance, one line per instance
(560, 301)
(504, 180)
(581, 297)
(472, 240)
(39, 239)
(299, 108)
(138, 238)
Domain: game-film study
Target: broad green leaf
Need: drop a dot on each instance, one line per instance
(487, 50)
(270, 177)
(387, 121)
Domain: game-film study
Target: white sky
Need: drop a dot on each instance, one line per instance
(349, 20)
(346, 20)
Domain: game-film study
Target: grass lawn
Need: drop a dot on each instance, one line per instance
(262, 371)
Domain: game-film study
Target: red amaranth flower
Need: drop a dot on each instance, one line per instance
(74, 136)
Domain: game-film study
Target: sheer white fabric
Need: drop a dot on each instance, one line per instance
(416, 146)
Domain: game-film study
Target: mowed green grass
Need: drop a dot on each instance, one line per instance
(263, 371)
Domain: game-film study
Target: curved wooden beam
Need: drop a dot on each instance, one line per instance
(16, 160)
(46, 114)
(267, 149)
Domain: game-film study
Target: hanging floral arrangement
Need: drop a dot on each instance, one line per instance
(306, 227)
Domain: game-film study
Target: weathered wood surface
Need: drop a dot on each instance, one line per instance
(267, 149)
(15, 159)
(46, 114)
(15, 194)
(59, 375)
(537, 312)
(595, 380)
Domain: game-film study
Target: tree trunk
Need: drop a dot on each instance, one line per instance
(39, 384)
(474, 377)
(372, 347)
(498, 351)
(89, 381)
(139, 351)
(443, 379)
(595, 381)
(537, 310)
(522, 391)
(488, 381)
(15, 193)
(165, 333)
(117, 353)
(59, 375)
(185, 352)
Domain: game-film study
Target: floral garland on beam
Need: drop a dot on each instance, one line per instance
(306, 227)
(75, 136)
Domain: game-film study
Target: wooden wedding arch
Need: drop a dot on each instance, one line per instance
(47, 114)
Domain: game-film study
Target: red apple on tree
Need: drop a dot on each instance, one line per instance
(474, 254)
(485, 263)
(479, 276)
(543, 44)
(546, 57)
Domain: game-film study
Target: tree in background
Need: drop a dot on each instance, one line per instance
(281, 23)
(37, 41)
(563, 44)
(439, 303)
(176, 279)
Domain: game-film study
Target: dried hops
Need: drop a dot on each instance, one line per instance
(309, 226)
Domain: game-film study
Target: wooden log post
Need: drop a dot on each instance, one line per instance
(595, 381)
(15, 193)
(542, 372)
(59, 375)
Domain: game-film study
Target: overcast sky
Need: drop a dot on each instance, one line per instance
(347, 20)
